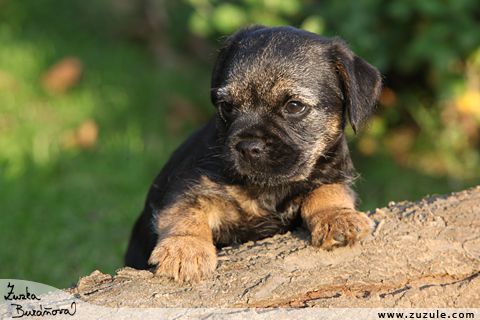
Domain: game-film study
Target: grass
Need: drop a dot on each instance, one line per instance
(68, 209)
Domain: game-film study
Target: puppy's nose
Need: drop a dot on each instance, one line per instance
(250, 150)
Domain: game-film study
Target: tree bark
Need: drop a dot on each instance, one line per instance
(421, 254)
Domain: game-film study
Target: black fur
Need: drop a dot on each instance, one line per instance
(254, 144)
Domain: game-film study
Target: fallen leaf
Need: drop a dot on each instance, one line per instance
(62, 76)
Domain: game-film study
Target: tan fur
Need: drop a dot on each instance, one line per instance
(184, 258)
(185, 249)
(329, 213)
(216, 211)
(247, 204)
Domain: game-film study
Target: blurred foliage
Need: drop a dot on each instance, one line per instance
(95, 95)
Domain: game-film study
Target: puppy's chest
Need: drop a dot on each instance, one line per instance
(243, 217)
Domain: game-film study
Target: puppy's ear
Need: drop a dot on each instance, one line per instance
(361, 83)
(226, 54)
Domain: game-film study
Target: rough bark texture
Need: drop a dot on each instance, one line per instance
(422, 254)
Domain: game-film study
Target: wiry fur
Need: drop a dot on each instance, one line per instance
(255, 169)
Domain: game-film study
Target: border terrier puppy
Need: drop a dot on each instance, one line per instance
(275, 154)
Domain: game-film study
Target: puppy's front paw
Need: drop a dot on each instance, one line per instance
(341, 228)
(184, 258)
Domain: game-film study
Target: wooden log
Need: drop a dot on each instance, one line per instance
(421, 254)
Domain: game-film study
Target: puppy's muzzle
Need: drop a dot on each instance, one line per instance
(250, 151)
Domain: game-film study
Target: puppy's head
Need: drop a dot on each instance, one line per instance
(282, 98)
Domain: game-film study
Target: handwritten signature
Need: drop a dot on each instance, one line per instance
(27, 296)
(41, 311)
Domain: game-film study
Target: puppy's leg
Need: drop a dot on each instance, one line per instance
(329, 212)
(185, 249)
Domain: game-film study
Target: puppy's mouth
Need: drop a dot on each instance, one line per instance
(266, 163)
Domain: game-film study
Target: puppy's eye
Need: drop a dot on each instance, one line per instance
(226, 107)
(295, 107)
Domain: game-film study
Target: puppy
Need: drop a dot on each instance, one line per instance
(275, 154)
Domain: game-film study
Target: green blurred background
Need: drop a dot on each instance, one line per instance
(95, 95)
